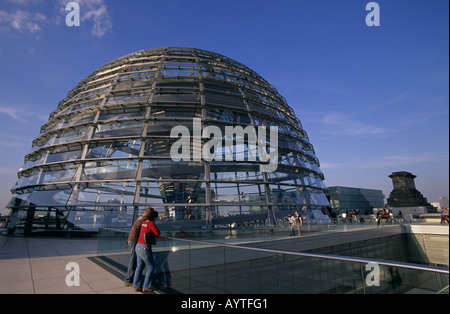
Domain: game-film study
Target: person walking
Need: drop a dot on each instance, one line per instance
(299, 223)
(400, 216)
(291, 225)
(379, 216)
(145, 258)
(58, 215)
(390, 216)
(133, 238)
(444, 215)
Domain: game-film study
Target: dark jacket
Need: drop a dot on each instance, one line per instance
(135, 230)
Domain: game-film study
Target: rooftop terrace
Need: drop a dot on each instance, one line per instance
(232, 261)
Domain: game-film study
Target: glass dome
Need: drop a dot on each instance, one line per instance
(107, 151)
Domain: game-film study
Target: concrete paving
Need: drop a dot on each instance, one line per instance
(37, 265)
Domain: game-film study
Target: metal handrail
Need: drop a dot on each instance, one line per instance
(325, 256)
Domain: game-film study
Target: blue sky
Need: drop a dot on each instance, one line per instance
(373, 100)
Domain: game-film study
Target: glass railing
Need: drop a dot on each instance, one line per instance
(189, 266)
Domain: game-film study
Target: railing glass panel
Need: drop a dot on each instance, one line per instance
(199, 267)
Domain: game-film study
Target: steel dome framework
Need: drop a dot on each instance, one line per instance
(104, 154)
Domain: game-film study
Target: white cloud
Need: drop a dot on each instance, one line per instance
(392, 161)
(12, 113)
(429, 110)
(332, 166)
(407, 159)
(95, 12)
(345, 124)
(399, 98)
(388, 161)
(22, 21)
(21, 115)
(25, 2)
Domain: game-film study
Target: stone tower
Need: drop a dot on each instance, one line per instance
(405, 193)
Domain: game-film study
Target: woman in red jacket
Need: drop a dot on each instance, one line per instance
(144, 253)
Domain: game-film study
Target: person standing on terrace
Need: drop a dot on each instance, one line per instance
(145, 258)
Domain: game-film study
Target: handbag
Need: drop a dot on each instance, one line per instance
(149, 238)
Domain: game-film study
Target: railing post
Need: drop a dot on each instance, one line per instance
(363, 278)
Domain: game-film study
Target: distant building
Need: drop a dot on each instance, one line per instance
(436, 204)
(443, 202)
(347, 198)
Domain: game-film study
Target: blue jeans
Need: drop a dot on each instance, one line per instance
(291, 228)
(132, 263)
(145, 259)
